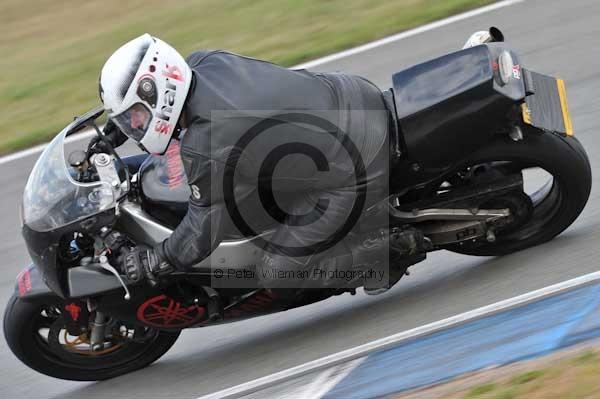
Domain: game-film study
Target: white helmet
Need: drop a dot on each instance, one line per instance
(143, 86)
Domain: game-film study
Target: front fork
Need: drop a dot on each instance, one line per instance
(98, 331)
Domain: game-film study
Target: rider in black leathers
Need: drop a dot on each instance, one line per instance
(215, 118)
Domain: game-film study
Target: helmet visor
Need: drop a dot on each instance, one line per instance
(134, 122)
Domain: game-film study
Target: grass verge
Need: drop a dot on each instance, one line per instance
(571, 375)
(52, 51)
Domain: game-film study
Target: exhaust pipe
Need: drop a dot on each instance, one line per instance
(491, 35)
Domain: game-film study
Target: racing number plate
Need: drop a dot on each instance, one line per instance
(546, 107)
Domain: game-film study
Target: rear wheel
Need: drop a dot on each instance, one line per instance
(555, 204)
(37, 335)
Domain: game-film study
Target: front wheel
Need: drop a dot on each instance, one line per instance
(36, 334)
(555, 205)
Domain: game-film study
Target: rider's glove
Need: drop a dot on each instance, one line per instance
(112, 134)
(143, 263)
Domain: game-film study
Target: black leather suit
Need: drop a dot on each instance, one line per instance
(230, 95)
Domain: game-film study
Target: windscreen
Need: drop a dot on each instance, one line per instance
(53, 198)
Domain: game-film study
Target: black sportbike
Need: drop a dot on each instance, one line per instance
(488, 166)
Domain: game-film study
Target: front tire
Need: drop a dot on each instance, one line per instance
(564, 158)
(23, 321)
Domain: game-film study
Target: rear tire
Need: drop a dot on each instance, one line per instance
(561, 156)
(21, 333)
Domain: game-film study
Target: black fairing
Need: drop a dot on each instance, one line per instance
(43, 247)
(30, 285)
(452, 105)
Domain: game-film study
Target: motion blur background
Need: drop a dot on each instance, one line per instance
(52, 51)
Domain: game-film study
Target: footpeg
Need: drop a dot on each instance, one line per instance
(213, 306)
(407, 242)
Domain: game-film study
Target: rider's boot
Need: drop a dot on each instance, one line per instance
(406, 246)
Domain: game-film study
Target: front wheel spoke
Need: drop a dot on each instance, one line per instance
(45, 322)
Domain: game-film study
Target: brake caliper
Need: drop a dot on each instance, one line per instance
(76, 317)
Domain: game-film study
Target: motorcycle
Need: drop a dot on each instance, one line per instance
(470, 125)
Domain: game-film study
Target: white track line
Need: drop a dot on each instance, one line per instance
(329, 58)
(86, 134)
(393, 340)
(328, 379)
(407, 34)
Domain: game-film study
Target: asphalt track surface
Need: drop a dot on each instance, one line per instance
(554, 37)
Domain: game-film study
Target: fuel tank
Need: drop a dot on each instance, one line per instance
(165, 192)
(450, 106)
(164, 186)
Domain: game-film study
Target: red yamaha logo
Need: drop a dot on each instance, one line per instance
(164, 312)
